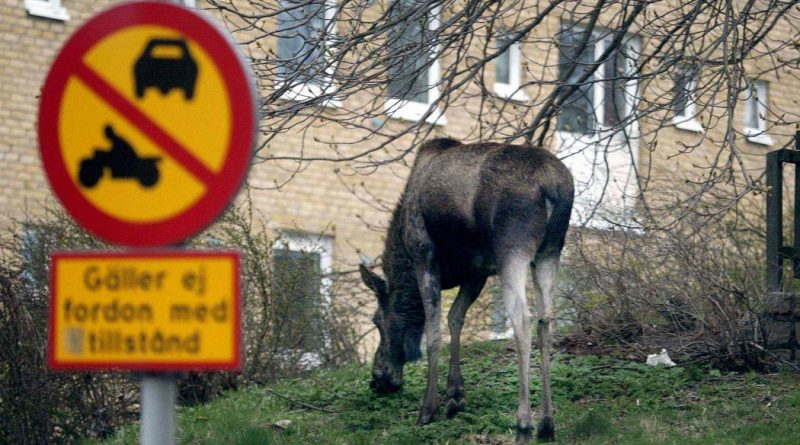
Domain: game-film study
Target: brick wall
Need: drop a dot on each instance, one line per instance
(28, 45)
(782, 324)
(318, 198)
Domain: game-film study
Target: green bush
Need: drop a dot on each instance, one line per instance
(695, 289)
(37, 406)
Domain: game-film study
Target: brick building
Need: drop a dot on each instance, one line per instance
(328, 214)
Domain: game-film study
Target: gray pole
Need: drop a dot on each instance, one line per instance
(159, 393)
(159, 397)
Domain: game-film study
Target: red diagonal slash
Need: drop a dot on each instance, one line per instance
(144, 124)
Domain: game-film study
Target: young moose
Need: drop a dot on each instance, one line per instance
(470, 211)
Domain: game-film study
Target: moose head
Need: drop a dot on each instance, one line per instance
(400, 327)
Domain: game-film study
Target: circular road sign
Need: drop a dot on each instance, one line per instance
(146, 124)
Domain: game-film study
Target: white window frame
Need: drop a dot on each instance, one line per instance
(688, 119)
(50, 9)
(190, 3)
(757, 91)
(414, 111)
(513, 89)
(307, 91)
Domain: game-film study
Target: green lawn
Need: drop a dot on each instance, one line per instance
(598, 401)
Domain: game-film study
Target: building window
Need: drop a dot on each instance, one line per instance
(616, 74)
(305, 36)
(301, 290)
(51, 9)
(500, 325)
(755, 112)
(413, 68)
(597, 129)
(604, 100)
(576, 114)
(684, 102)
(508, 69)
(36, 242)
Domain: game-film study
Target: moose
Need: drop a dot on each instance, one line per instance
(470, 211)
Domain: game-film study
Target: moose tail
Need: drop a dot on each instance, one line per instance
(558, 199)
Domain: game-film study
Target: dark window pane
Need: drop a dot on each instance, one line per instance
(503, 62)
(410, 52)
(752, 117)
(681, 93)
(614, 94)
(301, 37)
(577, 112)
(298, 303)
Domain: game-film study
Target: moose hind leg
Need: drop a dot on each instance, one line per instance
(544, 273)
(513, 275)
(467, 294)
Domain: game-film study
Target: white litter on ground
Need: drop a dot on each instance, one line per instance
(660, 359)
(282, 424)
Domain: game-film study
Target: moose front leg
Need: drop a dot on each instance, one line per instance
(467, 294)
(430, 291)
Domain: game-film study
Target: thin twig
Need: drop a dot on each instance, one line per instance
(776, 357)
(297, 402)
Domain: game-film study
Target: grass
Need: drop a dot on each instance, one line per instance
(598, 401)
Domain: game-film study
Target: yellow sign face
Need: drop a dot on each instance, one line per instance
(193, 111)
(161, 311)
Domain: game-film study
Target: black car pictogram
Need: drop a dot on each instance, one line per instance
(122, 160)
(157, 67)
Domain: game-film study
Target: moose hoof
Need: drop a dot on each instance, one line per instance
(455, 406)
(427, 417)
(546, 431)
(524, 434)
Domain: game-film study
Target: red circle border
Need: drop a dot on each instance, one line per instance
(241, 99)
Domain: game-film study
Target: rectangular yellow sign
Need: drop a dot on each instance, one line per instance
(160, 311)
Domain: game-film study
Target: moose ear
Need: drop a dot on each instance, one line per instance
(373, 281)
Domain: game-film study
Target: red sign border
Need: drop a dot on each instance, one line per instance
(241, 97)
(233, 365)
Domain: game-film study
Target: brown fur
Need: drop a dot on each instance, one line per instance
(468, 212)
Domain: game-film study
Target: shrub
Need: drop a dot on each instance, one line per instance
(37, 406)
(696, 290)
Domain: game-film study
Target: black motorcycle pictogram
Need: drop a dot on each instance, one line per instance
(123, 162)
(155, 69)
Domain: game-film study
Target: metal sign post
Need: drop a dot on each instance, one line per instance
(157, 312)
(118, 137)
(159, 396)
